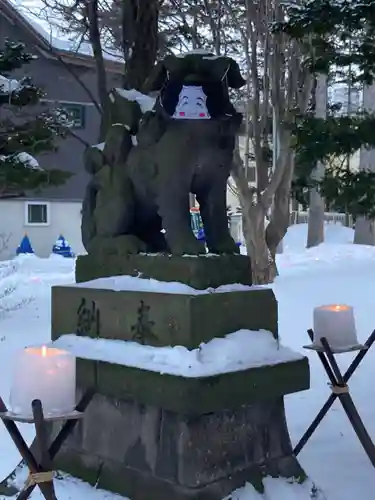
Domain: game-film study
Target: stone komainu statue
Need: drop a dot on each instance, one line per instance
(152, 159)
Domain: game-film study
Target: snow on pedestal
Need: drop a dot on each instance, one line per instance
(25, 246)
(133, 283)
(237, 351)
(47, 374)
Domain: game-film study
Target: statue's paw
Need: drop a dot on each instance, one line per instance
(227, 246)
(193, 247)
(116, 245)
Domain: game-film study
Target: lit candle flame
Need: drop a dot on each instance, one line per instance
(44, 351)
(335, 307)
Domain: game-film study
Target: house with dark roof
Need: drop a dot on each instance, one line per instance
(68, 77)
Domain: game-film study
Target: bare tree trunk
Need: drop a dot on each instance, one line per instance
(253, 221)
(276, 80)
(365, 228)
(315, 232)
(364, 233)
(279, 222)
(95, 40)
(315, 229)
(280, 214)
(140, 40)
(262, 263)
(275, 155)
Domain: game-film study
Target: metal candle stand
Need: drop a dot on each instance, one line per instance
(41, 466)
(340, 389)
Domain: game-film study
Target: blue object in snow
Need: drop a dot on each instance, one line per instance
(200, 235)
(62, 247)
(25, 246)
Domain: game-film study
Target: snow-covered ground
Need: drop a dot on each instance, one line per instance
(335, 272)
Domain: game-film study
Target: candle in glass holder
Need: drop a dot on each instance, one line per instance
(337, 324)
(44, 373)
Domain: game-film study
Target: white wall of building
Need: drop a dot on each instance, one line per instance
(63, 217)
(232, 199)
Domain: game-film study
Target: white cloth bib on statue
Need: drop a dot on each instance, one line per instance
(191, 104)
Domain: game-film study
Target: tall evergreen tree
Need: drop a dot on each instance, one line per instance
(342, 33)
(26, 130)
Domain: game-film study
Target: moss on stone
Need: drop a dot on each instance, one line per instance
(79, 464)
(194, 396)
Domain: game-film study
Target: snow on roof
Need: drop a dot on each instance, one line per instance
(30, 11)
(7, 85)
(25, 158)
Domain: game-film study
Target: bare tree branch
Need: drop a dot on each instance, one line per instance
(94, 35)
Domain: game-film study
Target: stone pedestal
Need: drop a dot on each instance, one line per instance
(160, 319)
(146, 452)
(152, 436)
(199, 272)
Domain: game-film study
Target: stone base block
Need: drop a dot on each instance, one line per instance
(160, 319)
(194, 396)
(199, 272)
(147, 453)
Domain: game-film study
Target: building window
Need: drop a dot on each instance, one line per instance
(76, 114)
(37, 214)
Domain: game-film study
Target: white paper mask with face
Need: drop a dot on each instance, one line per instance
(192, 104)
